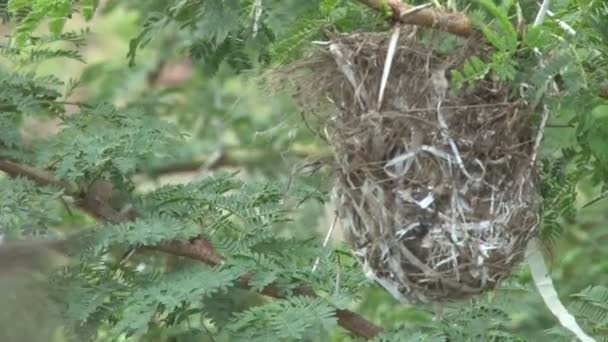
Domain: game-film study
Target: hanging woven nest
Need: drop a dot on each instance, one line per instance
(435, 188)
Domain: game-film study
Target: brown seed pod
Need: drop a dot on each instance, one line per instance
(436, 189)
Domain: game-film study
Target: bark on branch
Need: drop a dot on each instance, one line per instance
(198, 249)
(454, 22)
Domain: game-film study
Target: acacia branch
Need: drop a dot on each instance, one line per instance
(15, 169)
(199, 249)
(454, 22)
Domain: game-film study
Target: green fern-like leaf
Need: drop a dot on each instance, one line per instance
(293, 319)
(55, 10)
(592, 304)
(173, 291)
(88, 8)
(302, 32)
(506, 38)
(27, 210)
(102, 141)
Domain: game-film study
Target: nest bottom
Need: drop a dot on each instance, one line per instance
(419, 256)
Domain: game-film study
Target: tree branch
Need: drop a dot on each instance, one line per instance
(15, 169)
(199, 249)
(453, 22)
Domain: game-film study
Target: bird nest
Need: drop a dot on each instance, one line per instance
(436, 188)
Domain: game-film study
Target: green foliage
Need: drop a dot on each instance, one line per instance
(28, 93)
(488, 320)
(591, 304)
(171, 297)
(54, 12)
(27, 210)
(502, 35)
(474, 69)
(559, 195)
(88, 8)
(247, 34)
(293, 319)
(101, 142)
(236, 217)
(597, 133)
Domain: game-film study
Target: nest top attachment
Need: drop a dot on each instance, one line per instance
(436, 188)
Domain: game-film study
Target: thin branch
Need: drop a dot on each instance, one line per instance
(325, 241)
(595, 200)
(199, 249)
(15, 169)
(542, 12)
(539, 135)
(453, 22)
(560, 126)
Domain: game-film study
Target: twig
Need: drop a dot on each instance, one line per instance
(325, 241)
(540, 17)
(15, 169)
(539, 135)
(542, 12)
(560, 126)
(199, 249)
(453, 22)
(414, 10)
(595, 200)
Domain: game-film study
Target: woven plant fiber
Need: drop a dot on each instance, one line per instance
(435, 187)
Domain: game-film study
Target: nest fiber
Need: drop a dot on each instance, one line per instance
(436, 188)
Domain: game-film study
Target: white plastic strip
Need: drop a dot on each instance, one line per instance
(544, 284)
